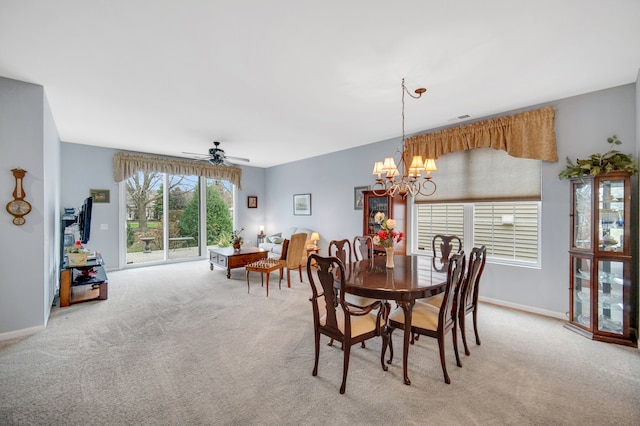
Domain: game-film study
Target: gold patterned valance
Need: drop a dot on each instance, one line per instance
(527, 135)
(126, 165)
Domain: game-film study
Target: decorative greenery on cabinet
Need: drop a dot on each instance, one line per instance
(612, 160)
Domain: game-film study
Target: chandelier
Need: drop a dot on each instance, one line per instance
(412, 181)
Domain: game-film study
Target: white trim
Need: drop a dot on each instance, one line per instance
(25, 332)
(543, 312)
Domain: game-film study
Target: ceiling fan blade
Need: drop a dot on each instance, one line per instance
(195, 153)
(236, 158)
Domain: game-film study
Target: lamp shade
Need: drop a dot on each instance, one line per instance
(315, 236)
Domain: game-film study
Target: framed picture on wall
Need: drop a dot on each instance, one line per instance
(358, 197)
(252, 202)
(302, 204)
(100, 195)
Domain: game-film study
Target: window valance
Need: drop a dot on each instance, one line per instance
(527, 135)
(126, 165)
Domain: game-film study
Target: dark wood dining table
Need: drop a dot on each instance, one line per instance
(413, 277)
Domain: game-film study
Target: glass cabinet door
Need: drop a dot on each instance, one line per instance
(610, 296)
(582, 214)
(375, 205)
(611, 214)
(581, 296)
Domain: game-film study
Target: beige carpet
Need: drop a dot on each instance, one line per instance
(182, 345)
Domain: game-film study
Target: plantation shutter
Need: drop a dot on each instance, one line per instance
(447, 219)
(508, 230)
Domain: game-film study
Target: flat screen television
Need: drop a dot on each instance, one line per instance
(84, 220)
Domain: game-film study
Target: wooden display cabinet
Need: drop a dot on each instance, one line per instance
(392, 207)
(603, 281)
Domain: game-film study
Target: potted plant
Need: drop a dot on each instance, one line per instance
(237, 239)
(601, 163)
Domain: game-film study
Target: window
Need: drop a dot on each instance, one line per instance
(494, 201)
(509, 230)
(433, 219)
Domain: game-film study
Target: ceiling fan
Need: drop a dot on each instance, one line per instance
(217, 157)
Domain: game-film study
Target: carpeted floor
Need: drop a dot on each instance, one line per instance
(182, 345)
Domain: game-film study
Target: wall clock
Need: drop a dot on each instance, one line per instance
(18, 207)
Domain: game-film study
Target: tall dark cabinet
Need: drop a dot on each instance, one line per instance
(392, 207)
(603, 265)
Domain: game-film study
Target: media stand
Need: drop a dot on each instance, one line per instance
(80, 283)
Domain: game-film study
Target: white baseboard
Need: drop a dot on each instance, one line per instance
(543, 312)
(22, 333)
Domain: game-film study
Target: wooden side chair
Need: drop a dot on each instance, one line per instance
(428, 320)
(342, 250)
(469, 293)
(295, 254)
(336, 319)
(363, 247)
(443, 247)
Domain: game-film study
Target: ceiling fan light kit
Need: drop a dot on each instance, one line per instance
(217, 157)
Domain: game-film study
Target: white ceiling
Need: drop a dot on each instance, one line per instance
(281, 80)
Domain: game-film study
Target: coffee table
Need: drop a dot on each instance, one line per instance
(229, 258)
(265, 266)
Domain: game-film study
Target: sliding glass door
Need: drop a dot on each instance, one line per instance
(165, 219)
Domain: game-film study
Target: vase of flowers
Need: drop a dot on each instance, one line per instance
(236, 239)
(387, 236)
(77, 254)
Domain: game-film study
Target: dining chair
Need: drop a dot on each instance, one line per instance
(342, 250)
(363, 247)
(443, 246)
(469, 293)
(428, 320)
(335, 318)
(295, 253)
(283, 259)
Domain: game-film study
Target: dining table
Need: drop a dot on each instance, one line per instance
(412, 277)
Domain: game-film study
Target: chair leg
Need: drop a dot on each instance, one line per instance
(288, 278)
(300, 271)
(317, 345)
(454, 335)
(345, 367)
(475, 324)
(447, 380)
(461, 321)
(385, 343)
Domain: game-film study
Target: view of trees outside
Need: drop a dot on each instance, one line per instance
(146, 219)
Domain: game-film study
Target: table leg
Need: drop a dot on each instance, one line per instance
(247, 282)
(228, 273)
(407, 307)
(267, 283)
